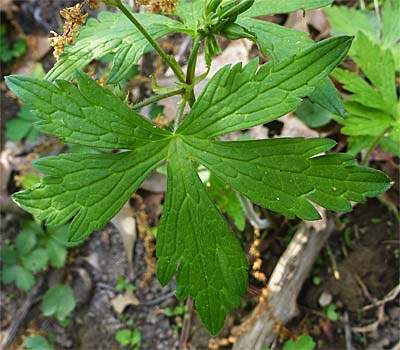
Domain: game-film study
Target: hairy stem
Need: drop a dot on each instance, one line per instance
(158, 98)
(170, 60)
(374, 144)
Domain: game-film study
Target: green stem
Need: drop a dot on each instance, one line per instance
(170, 60)
(158, 98)
(190, 74)
(181, 109)
(376, 142)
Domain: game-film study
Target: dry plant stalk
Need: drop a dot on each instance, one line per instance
(146, 236)
(157, 6)
(74, 19)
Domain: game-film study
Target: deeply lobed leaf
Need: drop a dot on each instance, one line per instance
(193, 239)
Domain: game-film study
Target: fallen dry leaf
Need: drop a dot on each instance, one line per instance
(121, 301)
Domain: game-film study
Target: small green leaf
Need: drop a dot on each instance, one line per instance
(136, 338)
(24, 279)
(123, 336)
(37, 342)
(227, 201)
(304, 342)
(25, 242)
(8, 254)
(8, 273)
(56, 252)
(36, 260)
(331, 312)
(312, 114)
(59, 302)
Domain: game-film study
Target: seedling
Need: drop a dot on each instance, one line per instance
(59, 301)
(34, 250)
(10, 51)
(122, 285)
(129, 339)
(38, 342)
(284, 175)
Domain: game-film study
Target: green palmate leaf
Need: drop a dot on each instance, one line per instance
(267, 7)
(194, 235)
(112, 33)
(193, 240)
(346, 20)
(85, 114)
(391, 24)
(91, 188)
(373, 107)
(280, 43)
(285, 175)
(240, 98)
(378, 65)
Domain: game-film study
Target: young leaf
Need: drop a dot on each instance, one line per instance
(112, 33)
(84, 114)
(25, 242)
(24, 279)
(268, 7)
(57, 253)
(303, 342)
(194, 239)
(22, 127)
(37, 342)
(90, 188)
(240, 98)
(58, 301)
(372, 109)
(36, 260)
(284, 175)
(349, 21)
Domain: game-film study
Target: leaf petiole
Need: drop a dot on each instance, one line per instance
(156, 98)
